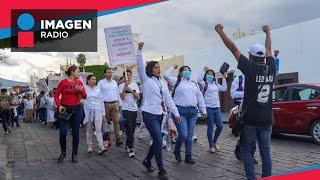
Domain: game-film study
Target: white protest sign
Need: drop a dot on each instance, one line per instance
(120, 45)
(42, 86)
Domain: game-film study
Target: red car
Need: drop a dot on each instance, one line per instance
(296, 108)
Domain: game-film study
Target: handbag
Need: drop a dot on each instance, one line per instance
(64, 115)
(237, 124)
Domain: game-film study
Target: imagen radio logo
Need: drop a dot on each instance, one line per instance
(25, 24)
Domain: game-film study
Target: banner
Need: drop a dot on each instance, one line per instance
(42, 86)
(120, 45)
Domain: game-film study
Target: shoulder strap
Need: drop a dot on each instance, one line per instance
(195, 83)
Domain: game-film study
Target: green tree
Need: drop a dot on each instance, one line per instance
(81, 60)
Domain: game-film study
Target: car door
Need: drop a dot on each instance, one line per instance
(280, 98)
(304, 107)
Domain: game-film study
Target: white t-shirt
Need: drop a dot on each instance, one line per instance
(129, 102)
(29, 104)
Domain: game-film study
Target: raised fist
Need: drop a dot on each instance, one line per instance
(266, 29)
(219, 28)
(140, 45)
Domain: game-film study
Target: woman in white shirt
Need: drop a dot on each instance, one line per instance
(210, 92)
(51, 108)
(155, 97)
(29, 106)
(94, 110)
(187, 96)
(129, 94)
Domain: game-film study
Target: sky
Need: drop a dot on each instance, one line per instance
(171, 28)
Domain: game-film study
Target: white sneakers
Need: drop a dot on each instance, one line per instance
(195, 139)
(130, 151)
(131, 154)
(89, 149)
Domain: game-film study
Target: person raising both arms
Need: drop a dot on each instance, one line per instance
(186, 96)
(156, 97)
(259, 71)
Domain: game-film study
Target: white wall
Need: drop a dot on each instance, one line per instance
(299, 47)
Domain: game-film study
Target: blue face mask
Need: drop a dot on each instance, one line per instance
(186, 74)
(210, 78)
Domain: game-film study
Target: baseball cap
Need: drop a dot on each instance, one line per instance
(257, 50)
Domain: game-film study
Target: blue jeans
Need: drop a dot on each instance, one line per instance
(189, 116)
(214, 117)
(153, 124)
(75, 121)
(249, 135)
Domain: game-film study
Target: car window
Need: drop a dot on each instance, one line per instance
(304, 94)
(315, 94)
(280, 95)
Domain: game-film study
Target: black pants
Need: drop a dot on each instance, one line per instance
(14, 119)
(130, 124)
(43, 114)
(5, 117)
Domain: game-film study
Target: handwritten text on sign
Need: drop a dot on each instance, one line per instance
(120, 45)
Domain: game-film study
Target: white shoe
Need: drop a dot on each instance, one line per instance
(131, 154)
(90, 149)
(195, 139)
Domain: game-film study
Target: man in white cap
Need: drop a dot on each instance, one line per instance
(259, 71)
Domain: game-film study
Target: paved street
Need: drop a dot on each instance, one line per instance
(32, 150)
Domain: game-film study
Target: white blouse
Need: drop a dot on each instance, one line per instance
(151, 90)
(94, 99)
(187, 93)
(211, 95)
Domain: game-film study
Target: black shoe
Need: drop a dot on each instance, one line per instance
(189, 160)
(237, 153)
(61, 157)
(74, 158)
(147, 165)
(162, 175)
(177, 155)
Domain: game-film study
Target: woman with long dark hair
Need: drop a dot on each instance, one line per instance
(155, 97)
(71, 91)
(211, 90)
(94, 111)
(187, 97)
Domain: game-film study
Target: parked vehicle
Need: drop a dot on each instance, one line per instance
(296, 108)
